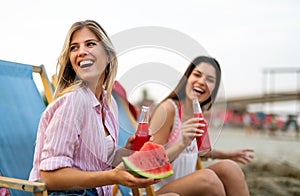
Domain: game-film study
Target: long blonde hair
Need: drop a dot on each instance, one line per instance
(67, 80)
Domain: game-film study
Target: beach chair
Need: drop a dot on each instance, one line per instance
(127, 126)
(21, 106)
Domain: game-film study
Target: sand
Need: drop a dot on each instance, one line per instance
(275, 170)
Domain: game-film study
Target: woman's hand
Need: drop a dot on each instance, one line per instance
(243, 156)
(124, 151)
(123, 177)
(191, 129)
(128, 144)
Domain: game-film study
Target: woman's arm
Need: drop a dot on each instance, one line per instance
(161, 124)
(124, 151)
(189, 130)
(243, 156)
(72, 179)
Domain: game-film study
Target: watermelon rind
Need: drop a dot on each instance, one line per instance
(138, 172)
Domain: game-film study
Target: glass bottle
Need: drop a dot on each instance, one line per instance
(203, 142)
(142, 132)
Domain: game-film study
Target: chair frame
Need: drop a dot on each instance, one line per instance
(37, 188)
(45, 80)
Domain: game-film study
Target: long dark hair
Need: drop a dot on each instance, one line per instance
(179, 92)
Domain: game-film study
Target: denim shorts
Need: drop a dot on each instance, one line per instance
(85, 192)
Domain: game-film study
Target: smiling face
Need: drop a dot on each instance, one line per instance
(201, 82)
(88, 57)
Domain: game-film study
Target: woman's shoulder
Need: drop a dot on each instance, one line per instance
(173, 104)
(169, 106)
(70, 96)
(75, 99)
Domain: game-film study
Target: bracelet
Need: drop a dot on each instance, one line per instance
(212, 154)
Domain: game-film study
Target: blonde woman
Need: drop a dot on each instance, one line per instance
(77, 135)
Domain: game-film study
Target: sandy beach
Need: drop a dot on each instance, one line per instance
(277, 148)
(275, 170)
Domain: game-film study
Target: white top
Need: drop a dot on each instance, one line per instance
(185, 163)
(110, 146)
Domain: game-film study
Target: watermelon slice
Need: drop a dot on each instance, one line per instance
(150, 161)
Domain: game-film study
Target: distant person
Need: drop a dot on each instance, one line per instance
(174, 126)
(77, 134)
(272, 126)
(247, 123)
(291, 120)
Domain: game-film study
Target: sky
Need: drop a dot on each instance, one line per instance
(246, 37)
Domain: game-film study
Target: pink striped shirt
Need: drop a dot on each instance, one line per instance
(71, 134)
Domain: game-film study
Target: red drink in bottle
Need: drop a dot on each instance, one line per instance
(141, 136)
(203, 142)
(142, 132)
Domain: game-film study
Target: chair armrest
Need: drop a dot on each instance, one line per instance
(23, 185)
(198, 163)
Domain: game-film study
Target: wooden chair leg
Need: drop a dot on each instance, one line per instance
(44, 193)
(115, 190)
(198, 164)
(136, 192)
(150, 190)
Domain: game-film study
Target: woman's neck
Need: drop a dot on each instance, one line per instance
(97, 88)
(98, 93)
